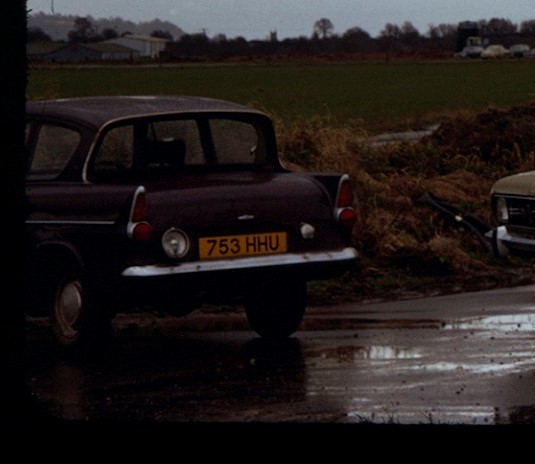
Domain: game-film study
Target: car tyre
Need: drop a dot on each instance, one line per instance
(75, 321)
(275, 309)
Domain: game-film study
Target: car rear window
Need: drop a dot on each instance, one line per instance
(236, 142)
(170, 144)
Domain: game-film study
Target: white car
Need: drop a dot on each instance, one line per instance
(495, 51)
(513, 207)
(519, 50)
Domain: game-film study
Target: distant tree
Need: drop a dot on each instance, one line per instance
(408, 33)
(443, 39)
(194, 45)
(527, 27)
(323, 28)
(389, 39)
(36, 34)
(355, 40)
(391, 31)
(442, 31)
(356, 33)
(239, 46)
(83, 31)
(162, 35)
(497, 27)
(447, 31)
(109, 33)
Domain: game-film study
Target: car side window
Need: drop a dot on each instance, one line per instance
(115, 153)
(53, 149)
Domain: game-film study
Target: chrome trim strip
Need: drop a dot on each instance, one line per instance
(140, 190)
(514, 196)
(287, 259)
(70, 223)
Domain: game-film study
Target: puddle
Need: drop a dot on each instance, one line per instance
(520, 363)
(507, 323)
(484, 415)
(374, 353)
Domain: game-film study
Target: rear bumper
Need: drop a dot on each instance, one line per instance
(312, 265)
(504, 243)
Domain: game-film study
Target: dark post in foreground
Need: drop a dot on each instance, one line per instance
(14, 398)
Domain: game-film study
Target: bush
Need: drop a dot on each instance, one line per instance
(458, 163)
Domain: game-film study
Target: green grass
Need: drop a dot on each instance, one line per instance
(380, 94)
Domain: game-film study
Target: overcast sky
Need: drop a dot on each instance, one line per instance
(255, 19)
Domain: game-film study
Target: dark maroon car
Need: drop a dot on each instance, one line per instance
(168, 203)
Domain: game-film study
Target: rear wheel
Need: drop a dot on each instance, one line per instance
(67, 307)
(74, 319)
(275, 308)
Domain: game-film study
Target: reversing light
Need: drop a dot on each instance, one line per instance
(175, 243)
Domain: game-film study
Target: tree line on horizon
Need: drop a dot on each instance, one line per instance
(404, 39)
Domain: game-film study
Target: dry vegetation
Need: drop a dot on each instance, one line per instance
(405, 245)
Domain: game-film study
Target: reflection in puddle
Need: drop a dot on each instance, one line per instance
(389, 352)
(511, 365)
(508, 322)
(374, 353)
(482, 415)
(63, 394)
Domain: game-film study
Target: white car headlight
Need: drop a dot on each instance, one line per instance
(502, 212)
(175, 243)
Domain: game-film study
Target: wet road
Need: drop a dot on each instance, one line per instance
(459, 359)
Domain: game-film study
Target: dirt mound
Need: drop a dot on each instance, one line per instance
(405, 244)
(459, 187)
(503, 137)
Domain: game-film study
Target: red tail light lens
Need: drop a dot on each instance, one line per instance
(142, 232)
(139, 229)
(139, 208)
(345, 193)
(347, 217)
(344, 212)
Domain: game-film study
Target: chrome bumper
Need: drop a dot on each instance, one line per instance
(347, 255)
(503, 242)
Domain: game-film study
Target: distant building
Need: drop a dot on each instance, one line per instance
(39, 51)
(54, 52)
(147, 46)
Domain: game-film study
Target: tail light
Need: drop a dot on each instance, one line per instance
(138, 228)
(344, 212)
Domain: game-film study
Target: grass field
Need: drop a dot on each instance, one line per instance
(383, 96)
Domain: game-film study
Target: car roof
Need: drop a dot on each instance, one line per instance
(98, 111)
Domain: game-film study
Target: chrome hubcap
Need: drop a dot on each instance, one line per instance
(69, 307)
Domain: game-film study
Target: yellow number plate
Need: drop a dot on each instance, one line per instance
(230, 246)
